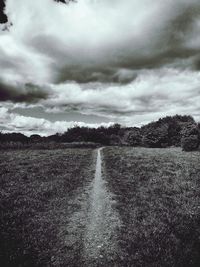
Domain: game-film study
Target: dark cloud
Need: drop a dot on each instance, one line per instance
(127, 61)
(170, 47)
(196, 62)
(83, 55)
(102, 74)
(28, 93)
(128, 69)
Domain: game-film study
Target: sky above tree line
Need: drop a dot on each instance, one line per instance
(97, 62)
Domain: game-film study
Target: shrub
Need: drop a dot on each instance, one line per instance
(156, 137)
(166, 131)
(190, 143)
(133, 137)
(115, 140)
(190, 137)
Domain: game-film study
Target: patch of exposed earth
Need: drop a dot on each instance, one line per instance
(92, 229)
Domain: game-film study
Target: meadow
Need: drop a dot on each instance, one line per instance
(37, 198)
(157, 194)
(44, 204)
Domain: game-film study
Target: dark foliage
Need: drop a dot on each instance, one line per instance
(190, 143)
(166, 131)
(3, 17)
(156, 137)
(169, 131)
(36, 138)
(133, 137)
(100, 135)
(190, 137)
(13, 137)
(65, 1)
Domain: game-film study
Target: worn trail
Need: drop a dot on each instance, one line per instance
(100, 236)
(93, 227)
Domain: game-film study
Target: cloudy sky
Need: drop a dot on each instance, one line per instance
(97, 62)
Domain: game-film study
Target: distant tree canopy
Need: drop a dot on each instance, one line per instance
(13, 137)
(190, 137)
(100, 135)
(169, 131)
(3, 17)
(166, 131)
(133, 136)
(65, 1)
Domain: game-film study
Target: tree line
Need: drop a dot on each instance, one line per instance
(170, 131)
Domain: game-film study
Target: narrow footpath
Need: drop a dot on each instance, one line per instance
(92, 229)
(100, 237)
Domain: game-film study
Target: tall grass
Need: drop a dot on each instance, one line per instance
(37, 198)
(158, 198)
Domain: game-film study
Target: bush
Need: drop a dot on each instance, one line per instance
(115, 140)
(190, 137)
(133, 137)
(190, 143)
(190, 129)
(156, 137)
(166, 131)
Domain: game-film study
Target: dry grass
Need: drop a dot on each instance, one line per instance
(37, 198)
(158, 199)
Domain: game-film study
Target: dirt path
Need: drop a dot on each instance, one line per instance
(100, 243)
(92, 230)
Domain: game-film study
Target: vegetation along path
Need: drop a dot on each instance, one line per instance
(57, 208)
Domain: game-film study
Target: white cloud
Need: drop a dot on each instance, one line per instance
(153, 94)
(168, 91)
(46, 36)
(31, 125)
(150, 47)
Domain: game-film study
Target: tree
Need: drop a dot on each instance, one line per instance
(133, 137)
(156, 137)
(115, 140)
(166, 131)
(13, 137)
(190, 139)
(190, 143)
(3, 17)
(35, 138)
(65, 1)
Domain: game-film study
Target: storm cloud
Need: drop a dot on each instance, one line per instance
(131, 61)
(27, 93)
(93, 40)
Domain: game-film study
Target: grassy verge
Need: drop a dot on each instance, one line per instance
(158, 199)
(47, 145)
(37, 197)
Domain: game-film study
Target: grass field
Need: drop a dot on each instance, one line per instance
(37, 198)
(44, 207)
(157, 193)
